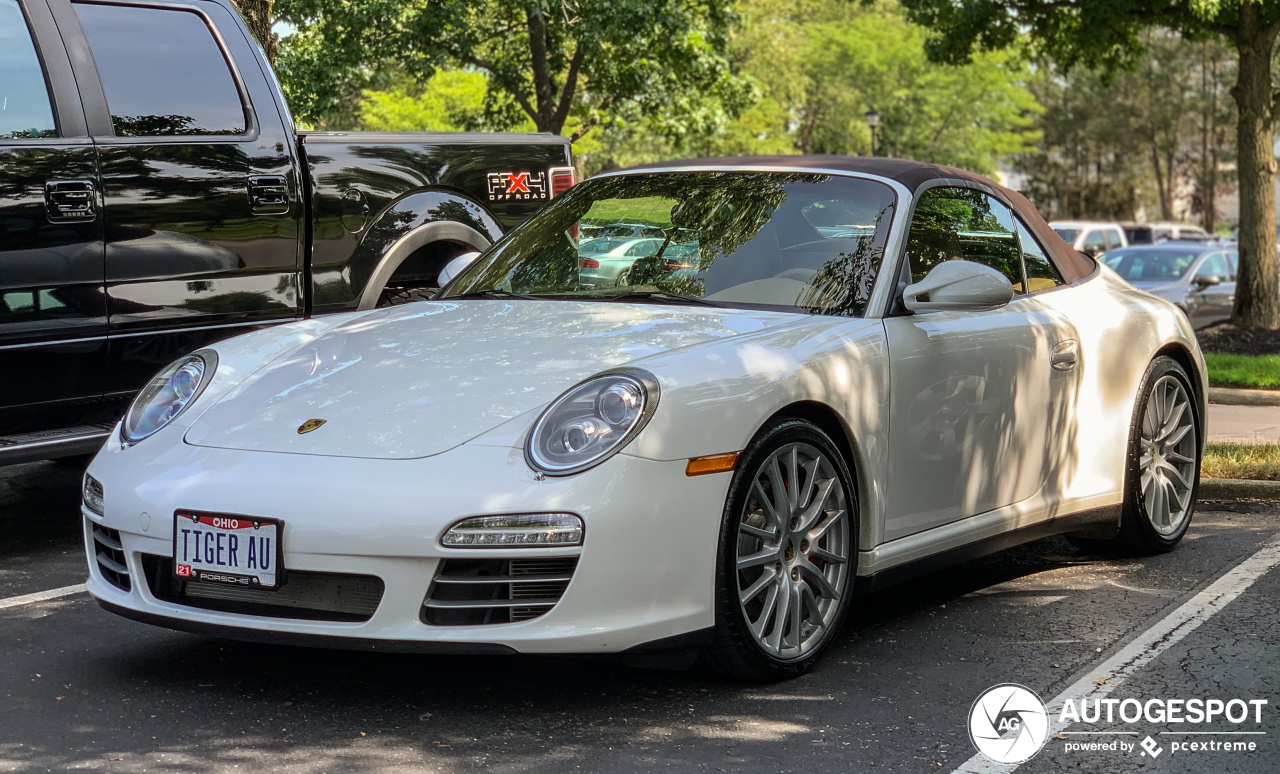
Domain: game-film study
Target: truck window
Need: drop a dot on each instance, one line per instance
(25, 111)
(162, 70)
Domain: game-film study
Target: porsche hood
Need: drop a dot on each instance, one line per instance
(420, 379)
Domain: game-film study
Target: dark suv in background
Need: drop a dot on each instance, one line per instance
(154, 197)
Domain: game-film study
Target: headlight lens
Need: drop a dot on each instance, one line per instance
(591, 422)
(168, 394)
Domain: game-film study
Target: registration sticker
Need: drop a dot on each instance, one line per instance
(240, 551)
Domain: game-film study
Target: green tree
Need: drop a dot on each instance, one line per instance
(544, 60)
(1140, 138)
(451, 101)
(1106, 33)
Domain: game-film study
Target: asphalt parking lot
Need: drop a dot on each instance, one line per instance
(86, 691)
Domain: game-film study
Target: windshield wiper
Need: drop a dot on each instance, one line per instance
(493, 293)
(660, 296)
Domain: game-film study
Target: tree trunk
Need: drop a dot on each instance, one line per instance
(1258, 287)
(257, 17)
(1166, 207)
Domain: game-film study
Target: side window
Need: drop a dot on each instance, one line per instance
(25, 111)
(1214, 266)
(162, 70)
(962, 224)
(1041, 273)
(1093, 243)
(1113, 239)
(1233, 258)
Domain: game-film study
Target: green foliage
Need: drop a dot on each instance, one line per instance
(452, 101)
(601, 60)
(1247, 371)
(820, 65)
(1118, 143)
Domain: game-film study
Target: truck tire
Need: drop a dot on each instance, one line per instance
(398, 296)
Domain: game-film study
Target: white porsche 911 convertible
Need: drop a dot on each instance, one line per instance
(833, 373)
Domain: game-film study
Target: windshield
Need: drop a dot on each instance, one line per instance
(1068, 234)
(1164, 265)
(799, 242)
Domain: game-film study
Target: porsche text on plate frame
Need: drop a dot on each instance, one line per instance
(822, 375)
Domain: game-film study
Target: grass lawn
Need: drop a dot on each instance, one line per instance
(1260, 372)
(1260, 462)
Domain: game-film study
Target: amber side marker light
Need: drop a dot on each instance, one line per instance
(714, 463)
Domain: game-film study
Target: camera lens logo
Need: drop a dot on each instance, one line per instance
(1008, 723)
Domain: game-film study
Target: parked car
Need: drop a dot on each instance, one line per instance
(606, 262)
(711, 465)
(1166, 231)
(1199, 278)
(1091, 237)
(155, 197)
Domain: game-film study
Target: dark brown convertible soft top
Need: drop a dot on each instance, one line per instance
(911, 175)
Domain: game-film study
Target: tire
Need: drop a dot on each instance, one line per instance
(398, 296)
(1163, 456)
(756, 640)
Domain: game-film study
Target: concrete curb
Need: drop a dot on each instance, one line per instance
(1227, 396)
(1235, 489)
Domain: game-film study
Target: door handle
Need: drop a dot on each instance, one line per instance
(70, 201)
(268, 194)
(1065, 356)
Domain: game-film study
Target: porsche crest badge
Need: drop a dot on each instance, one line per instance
(309, 425)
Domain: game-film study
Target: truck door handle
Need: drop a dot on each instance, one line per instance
(70, 201)
(1065, 356)
(268, 194)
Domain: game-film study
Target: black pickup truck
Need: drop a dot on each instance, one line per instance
(155, 196)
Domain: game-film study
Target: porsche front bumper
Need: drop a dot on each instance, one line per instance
(645, 572)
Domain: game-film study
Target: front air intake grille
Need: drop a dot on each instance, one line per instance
(109, 552)
(467, 592)
(311, 596)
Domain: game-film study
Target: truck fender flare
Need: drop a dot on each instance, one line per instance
(402, 248)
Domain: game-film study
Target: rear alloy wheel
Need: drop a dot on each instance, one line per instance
(786, 555)
(1162, 471)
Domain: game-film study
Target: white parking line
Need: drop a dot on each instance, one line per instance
(1112, 673)
(40, 596)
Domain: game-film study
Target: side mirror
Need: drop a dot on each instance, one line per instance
(455, 267)
(1203, 281)
(954, 286)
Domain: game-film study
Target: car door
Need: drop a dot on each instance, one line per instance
(1208, 304)
(53, 321)
(976, 405)
(198, 176)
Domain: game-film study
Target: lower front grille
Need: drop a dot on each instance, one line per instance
(312, 596)
(109, 553)
(467, 592)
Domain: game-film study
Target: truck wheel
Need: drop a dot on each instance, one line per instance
(398, 296)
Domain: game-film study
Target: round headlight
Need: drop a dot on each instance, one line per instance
(167, 395)
(591, 422)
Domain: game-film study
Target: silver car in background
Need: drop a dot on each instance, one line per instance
(1200, 278)
(606, 262)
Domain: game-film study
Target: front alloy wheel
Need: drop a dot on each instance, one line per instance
(786, 562)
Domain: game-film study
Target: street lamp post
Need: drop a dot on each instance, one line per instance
(873, 123)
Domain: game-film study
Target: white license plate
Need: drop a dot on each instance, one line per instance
(236, 550)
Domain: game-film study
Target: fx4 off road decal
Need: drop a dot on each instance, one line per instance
(506, 186)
